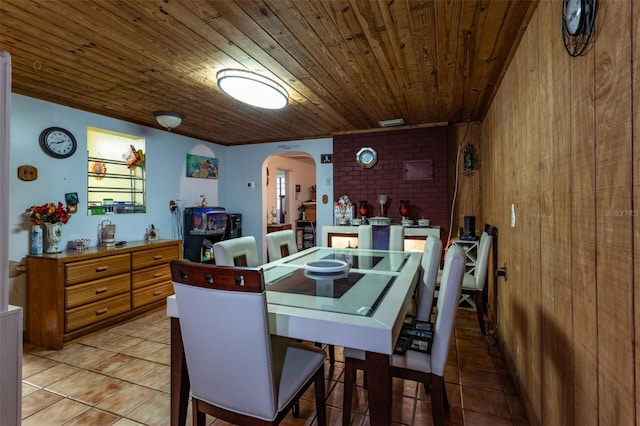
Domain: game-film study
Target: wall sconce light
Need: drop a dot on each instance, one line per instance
(253, 89)
(469, 159)
(169, 119)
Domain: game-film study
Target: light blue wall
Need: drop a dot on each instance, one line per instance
(165, 173)
(165, 177)
(247, 163)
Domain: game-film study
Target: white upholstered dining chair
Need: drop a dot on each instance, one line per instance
(430, 263)
(241, 251)
(281, 244)
(367, 238)
(419, 366)
(240, 373)
(473, 283)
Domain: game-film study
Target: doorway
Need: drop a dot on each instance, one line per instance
(282, 210)
(290, 183)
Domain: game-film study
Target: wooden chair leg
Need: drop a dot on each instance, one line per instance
(480, 310)
(332, 352)
(445, 400)
(199, 416)
(437, 408)
(349, 382)
(321, 404)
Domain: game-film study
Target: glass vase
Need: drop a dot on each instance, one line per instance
(362, 209)
(404, 209)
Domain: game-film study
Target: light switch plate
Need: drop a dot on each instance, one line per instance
(27, 173)
(513, 215)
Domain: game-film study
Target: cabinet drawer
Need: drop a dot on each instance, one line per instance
(151, 294)
(87, 270)
(156, 256)
(150, 276)
(97, 311)
(93, 291)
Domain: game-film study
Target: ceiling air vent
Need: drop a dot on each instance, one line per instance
(391, 123)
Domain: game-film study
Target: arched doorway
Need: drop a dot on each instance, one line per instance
(290, 183)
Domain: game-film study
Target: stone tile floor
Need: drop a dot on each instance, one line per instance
(121, 377)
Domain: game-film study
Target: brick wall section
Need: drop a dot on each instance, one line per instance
(427, 198)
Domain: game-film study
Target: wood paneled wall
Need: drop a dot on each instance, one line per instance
(465, 187)
(558, 143)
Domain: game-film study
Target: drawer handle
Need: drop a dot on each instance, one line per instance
(157, 293)
(157, 275)
(102, 311)
(101, 268)
(157, 257)
(101, 290)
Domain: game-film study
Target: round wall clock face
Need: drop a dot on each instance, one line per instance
(57, 142)
(573, 16)
(366, 157)
(578, 20)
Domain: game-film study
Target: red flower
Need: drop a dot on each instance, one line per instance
(49, 212)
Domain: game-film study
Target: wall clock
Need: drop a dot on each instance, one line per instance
(367, 157)
(578, 17)
(58, 142)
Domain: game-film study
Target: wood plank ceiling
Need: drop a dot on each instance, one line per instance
(346, 64)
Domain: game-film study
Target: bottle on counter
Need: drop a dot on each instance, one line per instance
(36, 239)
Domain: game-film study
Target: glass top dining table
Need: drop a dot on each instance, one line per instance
(362, 307)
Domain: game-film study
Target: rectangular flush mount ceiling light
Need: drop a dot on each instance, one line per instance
(391, 123)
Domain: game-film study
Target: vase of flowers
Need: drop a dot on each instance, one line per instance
(52, 217)
(343, 210)
(53, 231)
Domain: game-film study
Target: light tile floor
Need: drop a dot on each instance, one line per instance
(121, 377)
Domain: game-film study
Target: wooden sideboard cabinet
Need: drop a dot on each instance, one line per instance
(74, 293)
(274, 227)
(347, 236)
